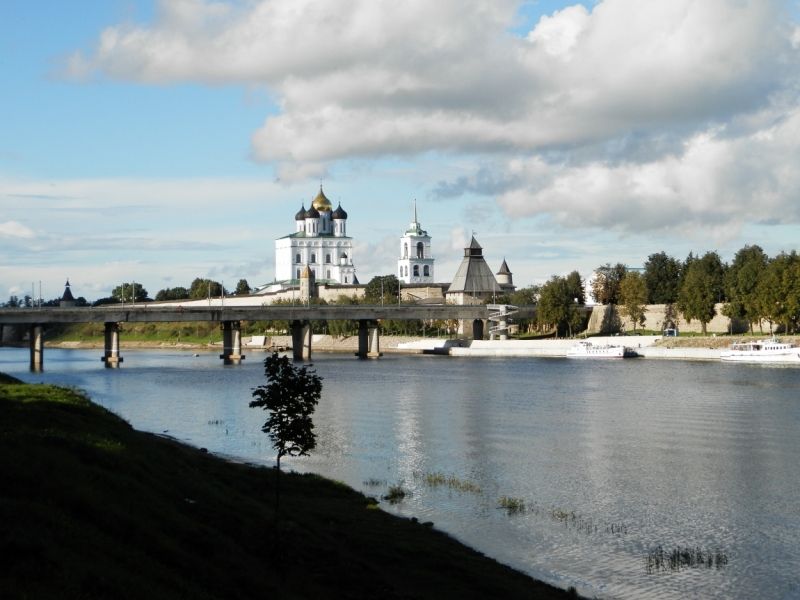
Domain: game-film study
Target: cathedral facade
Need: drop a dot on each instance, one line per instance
(320, 242)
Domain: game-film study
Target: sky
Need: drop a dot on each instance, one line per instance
(159, 141)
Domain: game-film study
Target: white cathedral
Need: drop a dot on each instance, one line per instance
(319, 242)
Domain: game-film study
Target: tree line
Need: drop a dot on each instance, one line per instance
(753, 288)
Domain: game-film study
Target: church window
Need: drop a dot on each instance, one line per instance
(405, 250)
(345, 278)
(297, 258)
(328, 258)
(406, 271)
(328, 276)
(298, 273)
(420, 250)
(426, 271)
(416, 271)
(313, 257)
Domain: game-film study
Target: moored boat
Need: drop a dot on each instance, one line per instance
(768, 351)
(589, 350)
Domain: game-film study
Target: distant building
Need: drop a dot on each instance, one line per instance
(67, 299)
(320, 242)
(474, 281)
(505, 279)
(415, 264)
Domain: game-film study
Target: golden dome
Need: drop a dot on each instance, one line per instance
(321, 202)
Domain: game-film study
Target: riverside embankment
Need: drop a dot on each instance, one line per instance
(688, 348)
(95, 509)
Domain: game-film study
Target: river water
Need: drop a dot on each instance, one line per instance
(613, 459)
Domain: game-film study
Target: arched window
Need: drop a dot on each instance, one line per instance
(298, 273)
(426, 271)
(420, 250)
(313, 257)
(405, 250)
(297, 258)
(328, 258)
(406, 271)
(345, 278)
(328, 276)
(416, 271)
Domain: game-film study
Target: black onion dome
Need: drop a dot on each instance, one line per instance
(312, 213)
(301, 216)
(339, 213)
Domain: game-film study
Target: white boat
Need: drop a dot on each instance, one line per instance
(771, 351)
(589, 350)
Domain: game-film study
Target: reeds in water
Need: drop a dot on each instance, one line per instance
(512, 505)
(437, 478)
(372, 482)
(395, 494)
(683, 558)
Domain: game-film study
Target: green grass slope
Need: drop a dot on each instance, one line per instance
(91, 508)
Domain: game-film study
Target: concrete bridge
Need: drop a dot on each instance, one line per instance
(300, 317)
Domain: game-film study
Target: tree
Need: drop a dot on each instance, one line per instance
(633, 294)
(127, 291)
(661, 274)
(242, 288)
(176, 293)
(343, 327)
(200, 288)
(290, 395)
(385, 287)
(605, 285)
(575, 287)
(557, 306)
(790, 286)
(774, 300)
(701, 288)
(741, 285)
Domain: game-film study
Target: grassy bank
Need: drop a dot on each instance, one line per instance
(90, 508)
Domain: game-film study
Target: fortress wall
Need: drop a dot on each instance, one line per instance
(609, 319)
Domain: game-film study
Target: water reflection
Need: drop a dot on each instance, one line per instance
(681, 453)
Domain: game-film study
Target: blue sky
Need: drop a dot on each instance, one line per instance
(161, 142)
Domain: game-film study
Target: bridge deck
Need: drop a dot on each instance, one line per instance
(143, 314)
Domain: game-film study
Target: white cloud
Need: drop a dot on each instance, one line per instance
(458, 238)
(717, 183)
(374, 77)
(636, 115)
(16, 229)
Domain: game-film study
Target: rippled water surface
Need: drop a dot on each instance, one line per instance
(638, 453)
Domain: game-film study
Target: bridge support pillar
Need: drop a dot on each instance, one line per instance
(37, 347)
(503, 324)
(369, 339)
(112, 357)
(301, 340)
(231, 343)
(477, 329)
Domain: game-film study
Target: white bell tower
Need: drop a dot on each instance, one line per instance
(415, 264)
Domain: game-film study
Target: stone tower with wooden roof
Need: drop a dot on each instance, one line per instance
(67, 300)
(505, 279)
(474, 280)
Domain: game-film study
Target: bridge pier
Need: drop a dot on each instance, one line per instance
(477, 329)
(301, 340)
(37, 347)
(111, 357)
(369, 339)
(231, 343)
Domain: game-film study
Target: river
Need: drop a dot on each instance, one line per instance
(613, 459)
